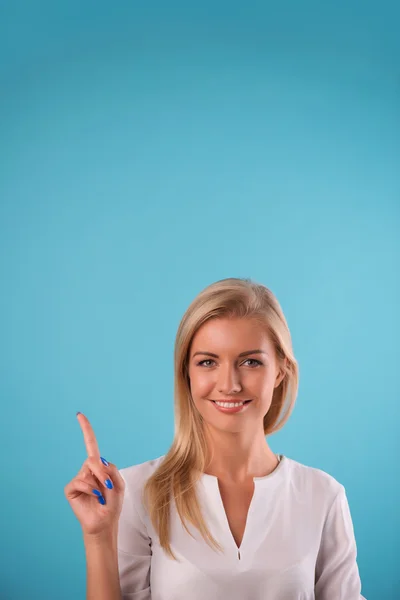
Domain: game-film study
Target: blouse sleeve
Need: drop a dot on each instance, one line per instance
(336, 575)
(134, 551)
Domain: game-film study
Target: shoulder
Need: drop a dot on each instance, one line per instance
(312, 482)
(133, 536)
(135, 476)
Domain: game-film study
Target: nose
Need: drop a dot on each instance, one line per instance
(229, 381)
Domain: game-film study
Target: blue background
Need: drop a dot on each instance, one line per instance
(147, 150)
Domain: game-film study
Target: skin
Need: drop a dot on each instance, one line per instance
(241, 451)
(97, 520)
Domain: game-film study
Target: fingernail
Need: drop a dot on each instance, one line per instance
(109, 484)
(100, 496)
(103, 460)
(78, 413)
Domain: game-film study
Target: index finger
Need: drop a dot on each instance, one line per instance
(89, 437)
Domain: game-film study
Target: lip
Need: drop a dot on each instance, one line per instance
(229, 410)
(234, 401)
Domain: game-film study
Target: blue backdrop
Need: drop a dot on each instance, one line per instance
(147, 150)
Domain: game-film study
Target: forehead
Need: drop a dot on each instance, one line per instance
(234, 335)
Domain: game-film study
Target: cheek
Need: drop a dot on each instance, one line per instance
(201, 384)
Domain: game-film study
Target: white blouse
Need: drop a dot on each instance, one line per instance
(298, 542)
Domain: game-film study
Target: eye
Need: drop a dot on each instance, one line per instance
(253, 360)
(204, 361)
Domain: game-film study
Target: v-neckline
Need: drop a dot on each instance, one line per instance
(259, 483)
(223, 511)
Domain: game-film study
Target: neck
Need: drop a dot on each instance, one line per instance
(237, 457)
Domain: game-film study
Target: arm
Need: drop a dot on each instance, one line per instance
(102, 580)
(133, 551)
(336, 572)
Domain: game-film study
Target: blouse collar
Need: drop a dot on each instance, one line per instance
(267, 481)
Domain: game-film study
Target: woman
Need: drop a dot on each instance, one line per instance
(220, 516)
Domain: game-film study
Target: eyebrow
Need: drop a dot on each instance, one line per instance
(241, 354)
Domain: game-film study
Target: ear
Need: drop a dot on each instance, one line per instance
(281, 373)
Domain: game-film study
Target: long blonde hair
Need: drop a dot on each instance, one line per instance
(186, 460)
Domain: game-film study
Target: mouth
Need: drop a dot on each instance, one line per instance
(230, 407)
(228, 403)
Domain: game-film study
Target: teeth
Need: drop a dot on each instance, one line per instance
(229, 404)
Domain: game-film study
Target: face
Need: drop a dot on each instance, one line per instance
(225, 363)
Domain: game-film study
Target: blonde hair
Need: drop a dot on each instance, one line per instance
(186, 460)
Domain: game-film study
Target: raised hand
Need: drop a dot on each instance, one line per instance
(96, 493)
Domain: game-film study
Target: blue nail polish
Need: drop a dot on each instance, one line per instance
(109, 484)
(103, 460)
(101, 499)
(97, 492)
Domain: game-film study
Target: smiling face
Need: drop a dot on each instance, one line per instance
(243, 366)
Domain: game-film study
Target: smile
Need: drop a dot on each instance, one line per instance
(231, 407)
(225, 404)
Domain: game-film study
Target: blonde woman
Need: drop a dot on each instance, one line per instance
(219, 516)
